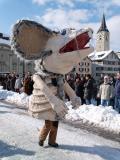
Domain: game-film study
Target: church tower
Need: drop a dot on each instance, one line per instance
(103, 37)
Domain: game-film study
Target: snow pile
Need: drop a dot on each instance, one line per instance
(99, 116)
(1, 87)
(13, 97)
(103, 117)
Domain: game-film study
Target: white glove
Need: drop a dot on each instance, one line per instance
(76, 102)
(60, 108)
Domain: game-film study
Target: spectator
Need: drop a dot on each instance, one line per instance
(31, 85)
(105, 92)
(18, 84)
(79, 88)
(94, 92)
(112, 83)
(12, 82)
(8, 82)
(88, 90)
(28, 85)
(117, 93)
(101, 80)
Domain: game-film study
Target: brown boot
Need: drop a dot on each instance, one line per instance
(41, 143)
(53, 134)
(44, 132)
(55, 145)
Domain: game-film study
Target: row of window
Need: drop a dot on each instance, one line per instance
(84, 69)
(4, 67)
(99, 74)
(84, 64)
(111, 62)
(107, 69)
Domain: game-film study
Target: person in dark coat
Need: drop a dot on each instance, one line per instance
(8, 83)
(117, 93)
(12, 82)
(31, 85)
(88, 89)
(112, 83)
(79, 88)
(28, 85)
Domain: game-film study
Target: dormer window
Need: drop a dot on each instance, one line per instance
(100, 38)
(63, 32)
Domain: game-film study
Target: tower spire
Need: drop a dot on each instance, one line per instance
(103, 26)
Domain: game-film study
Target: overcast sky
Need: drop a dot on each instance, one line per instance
(59, 14)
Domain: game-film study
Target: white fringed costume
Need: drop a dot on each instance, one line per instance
(55, 54)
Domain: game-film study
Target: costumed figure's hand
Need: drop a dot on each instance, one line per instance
(61, 109)
(76, 102)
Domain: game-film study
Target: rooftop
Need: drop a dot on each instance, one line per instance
(103, 26)
(99, 55)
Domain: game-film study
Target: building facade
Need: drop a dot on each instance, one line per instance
(102, 44)
(84, 67)
(104, 60)
(104, 63)
(9, 62)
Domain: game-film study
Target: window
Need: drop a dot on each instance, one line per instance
(100, 37)
(105, 62)
(81, 63)
(99, 68)
(87, 69)
(14, 66)
(81, 69)
(101, 55)
(98, 74)
(109, 69)
(116, 69)
(63, 32)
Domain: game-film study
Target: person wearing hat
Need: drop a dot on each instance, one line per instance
(105, 92)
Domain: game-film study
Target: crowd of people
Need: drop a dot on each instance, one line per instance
(105, 92)
(14, 82)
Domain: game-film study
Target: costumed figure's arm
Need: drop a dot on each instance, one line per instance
(76, 101)
(57, 105)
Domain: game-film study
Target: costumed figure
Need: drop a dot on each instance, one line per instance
(55, 54)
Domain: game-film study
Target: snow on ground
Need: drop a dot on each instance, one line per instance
(13, 97)
(103, 117)
(19, 140)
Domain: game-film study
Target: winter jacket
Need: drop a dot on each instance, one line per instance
(106, 91)
(79, 89)
(28, 86)
(88, 92)
(12, 83)
(18, 83)
(117, 88)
